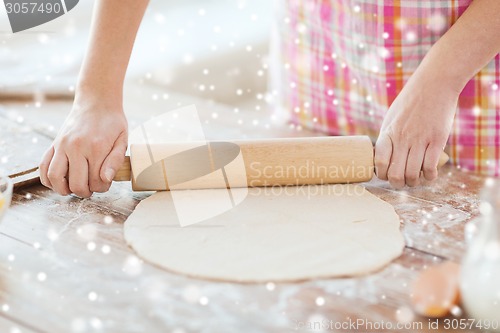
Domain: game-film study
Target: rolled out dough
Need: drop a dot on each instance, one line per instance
(288, 235)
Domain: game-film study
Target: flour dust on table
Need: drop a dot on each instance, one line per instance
(275, 234)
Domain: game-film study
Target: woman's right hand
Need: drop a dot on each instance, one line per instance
(88, 150)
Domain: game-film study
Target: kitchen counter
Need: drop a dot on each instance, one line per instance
(65, 267)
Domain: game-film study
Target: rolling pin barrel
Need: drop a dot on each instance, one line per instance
(270, 162)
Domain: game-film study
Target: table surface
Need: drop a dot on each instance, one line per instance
(64, 264)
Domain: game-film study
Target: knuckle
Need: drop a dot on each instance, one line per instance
(395, 177)
(63, 141)
(412, 181)
(52, 176)
(78, 142)
(380, 161)
(411, 176)
(381, 143)
(73, 142)
(381, 164)
(397, 133)
(96, 146)
(430, 170)
(44, 165)
(397, 181)
(438, 136)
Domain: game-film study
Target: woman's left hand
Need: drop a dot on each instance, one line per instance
(415, 130)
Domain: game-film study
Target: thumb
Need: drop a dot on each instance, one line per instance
(115, 159)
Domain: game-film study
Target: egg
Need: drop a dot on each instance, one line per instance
(2, 203)
(436, 290)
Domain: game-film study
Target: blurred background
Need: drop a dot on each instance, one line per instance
(212, 49)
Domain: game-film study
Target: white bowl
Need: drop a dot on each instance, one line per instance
(5, 194)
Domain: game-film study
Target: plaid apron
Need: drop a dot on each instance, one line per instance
(343, 62)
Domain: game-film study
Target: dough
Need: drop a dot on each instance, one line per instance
(275, 234)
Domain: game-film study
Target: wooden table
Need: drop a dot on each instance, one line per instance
(65, 267)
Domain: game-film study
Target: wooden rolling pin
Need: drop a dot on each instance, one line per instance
(269, 162)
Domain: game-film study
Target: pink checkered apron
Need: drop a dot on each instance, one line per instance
(343, 62)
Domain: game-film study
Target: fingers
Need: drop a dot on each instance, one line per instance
(431, 160)
(79, 176)
(403, 166)
(397, 167)
(57, 171)
(383, 153)
(414, 165)
(390, 161)
(115, 159)
(44, 167)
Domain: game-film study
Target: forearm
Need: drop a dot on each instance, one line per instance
(467, 46)
(114, 27)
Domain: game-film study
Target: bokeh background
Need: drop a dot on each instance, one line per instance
(215, 49)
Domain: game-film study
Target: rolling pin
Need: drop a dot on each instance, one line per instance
(269, 162)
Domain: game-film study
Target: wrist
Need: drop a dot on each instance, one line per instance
(109, 96)
(434, 77)
(444, 68)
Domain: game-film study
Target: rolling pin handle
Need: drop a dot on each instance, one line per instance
(124, 173)
(443, 159)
